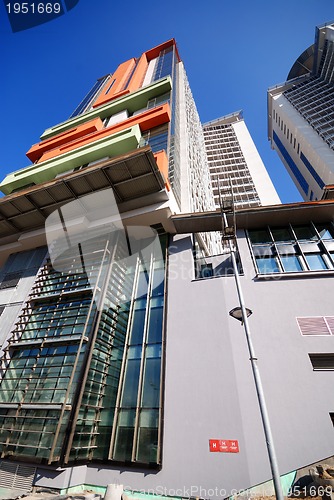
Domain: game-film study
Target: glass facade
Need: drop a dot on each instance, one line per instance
(88, 99)
(82, 372)
(164, 64)
(313, 98)
(293, 248)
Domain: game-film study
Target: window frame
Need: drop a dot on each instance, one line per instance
(299, 247)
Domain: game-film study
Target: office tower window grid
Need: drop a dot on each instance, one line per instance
(81, 382)
(293, 248)
(174, 173)
(313, 98)
(199, 182)
(228, 167)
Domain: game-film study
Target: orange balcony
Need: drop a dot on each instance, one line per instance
(148, 119)
(38, 150)
(113, 87)
(162, 163)
(130, 74)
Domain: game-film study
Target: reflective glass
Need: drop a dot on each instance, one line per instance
(151, 388)
(124, 435)
(155, 320)
(305, 232)
(281, 234)
(291, 263)
(260, 236)
(267, 265)
(315, 262)
(130, 388)
(148, 436)
(325, 231)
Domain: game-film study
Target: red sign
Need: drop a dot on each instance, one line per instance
(224, 445)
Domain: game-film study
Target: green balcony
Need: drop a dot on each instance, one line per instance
(114, 145)
(132, 102)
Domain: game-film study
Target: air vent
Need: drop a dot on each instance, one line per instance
(322, 361)
(316, 325)
(18, 477)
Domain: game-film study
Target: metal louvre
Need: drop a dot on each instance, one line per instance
(316, 325)
(131, 176)
(16, 476)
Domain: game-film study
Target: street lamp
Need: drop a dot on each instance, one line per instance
(236, 313)
(241, 314)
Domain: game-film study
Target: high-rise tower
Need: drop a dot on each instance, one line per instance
(86, 393)
(235, 163)
(300, 116)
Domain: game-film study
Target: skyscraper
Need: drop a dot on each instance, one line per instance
(84, 342)
(300, 116)
(235, 163)
(120, 361)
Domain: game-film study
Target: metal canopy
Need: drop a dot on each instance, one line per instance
(132, 176)
(275, 215)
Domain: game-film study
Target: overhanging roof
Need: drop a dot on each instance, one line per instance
(252, 218)
(132, 177)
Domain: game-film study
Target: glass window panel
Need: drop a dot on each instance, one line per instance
(281, 234)
(267, 265)
(158, 282)
(312, 246)
(155, 321)
(142, 284)
(326, 231)
(138, 323)
(315, 262)
(284, 249)
(148, 436)
(259, 250)
(124, 435)
(305, 232)
(134, 352)
(151, 387)
(130, 389)
(291, 263)
(260, 236)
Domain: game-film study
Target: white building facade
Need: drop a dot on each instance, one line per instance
(301, 120)
(235, 163)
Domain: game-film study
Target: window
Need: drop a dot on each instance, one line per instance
(157, 138)
(206, 271)
(315, 261)
(291, 263)
(10, 280)
(293, 248)
(323, 361)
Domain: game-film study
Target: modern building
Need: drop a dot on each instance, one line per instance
(300, 117)
(235, 163)
(120, 362)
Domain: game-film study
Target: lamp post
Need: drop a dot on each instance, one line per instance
(241, 314)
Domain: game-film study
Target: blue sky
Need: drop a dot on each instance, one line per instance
(232, 50)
